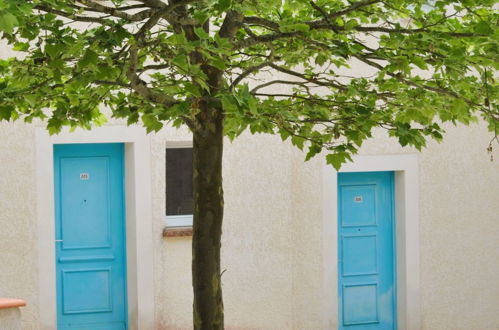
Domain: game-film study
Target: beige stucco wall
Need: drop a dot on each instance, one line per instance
(460, 232)
(10, 319)
(273, 242)
(272, 246)
(18, 257)
(459, 227)
(256, 254)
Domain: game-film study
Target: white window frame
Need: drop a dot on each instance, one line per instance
(406, 172)
(185, 220)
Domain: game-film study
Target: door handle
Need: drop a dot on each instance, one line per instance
(58, 240)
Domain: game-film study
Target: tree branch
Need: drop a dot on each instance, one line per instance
(137, 17)
(247, 72)
(353, 7)
(232, 22)
(140, 87)
(161, 13)
(309, 79)
(439, 90)
(111, 83)
(412, 31)
(273, 82)
(326, 24)
(250, 41)
(254, 20)
(153, 3)
(79, 18)
(154, 67)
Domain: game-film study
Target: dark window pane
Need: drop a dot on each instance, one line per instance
(179, 181)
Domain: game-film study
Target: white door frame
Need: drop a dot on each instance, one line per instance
(138, 219)
(407, 235)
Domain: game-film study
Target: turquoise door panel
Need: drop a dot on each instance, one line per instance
(366, 253)
(90, 237)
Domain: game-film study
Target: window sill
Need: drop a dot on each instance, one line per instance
(11, 303)
(178, 220)
(181, 231)
(178, 226)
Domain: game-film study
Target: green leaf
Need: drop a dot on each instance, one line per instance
(351, 24)
(6, 112)
(192, 89)
(298, 141)
(284, 134)
(133, 118)
(295, 27)
(202, 83)
(223, 5)
(483, 28)
(336, 160)
(228, 104)
(218, 63)
(252, 104)
(54, 125)
(182, 62)
(151, 123)
(201, 33)
(201, 16)
(89, 58)
(420, 62)
(7, 22)
(31, 99)
(52, 50)
(21, 46)
(320, 59)
(313, 150)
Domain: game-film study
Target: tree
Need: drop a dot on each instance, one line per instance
(206, 64)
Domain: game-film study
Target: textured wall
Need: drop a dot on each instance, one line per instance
(460, 232)
(272, 247)
(18, 271)
(10, 319)
(256, 254)
(459, 227)
(18, 256)
(306, 244)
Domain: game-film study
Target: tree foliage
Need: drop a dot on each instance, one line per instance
(322, 73)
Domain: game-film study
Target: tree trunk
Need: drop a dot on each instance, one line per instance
(207, 226)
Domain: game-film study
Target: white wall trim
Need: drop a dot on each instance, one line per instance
(138, 219)
(407, 236)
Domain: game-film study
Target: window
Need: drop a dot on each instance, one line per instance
(179, 192)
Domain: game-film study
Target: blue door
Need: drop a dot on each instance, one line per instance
(366, 258)
(90, 237)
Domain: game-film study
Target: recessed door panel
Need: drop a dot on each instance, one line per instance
(360, 304)
(359, 255)
(87, 290)
(85, 202)
(358, 205)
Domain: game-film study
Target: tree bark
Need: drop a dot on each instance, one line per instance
(207, 226)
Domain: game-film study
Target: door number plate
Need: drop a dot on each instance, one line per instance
(84, 176)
